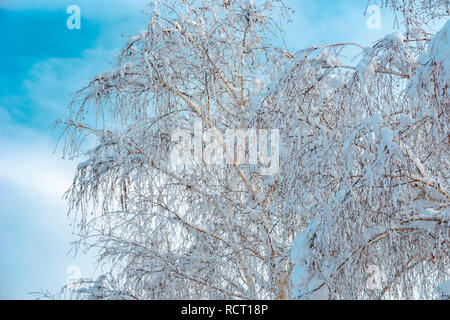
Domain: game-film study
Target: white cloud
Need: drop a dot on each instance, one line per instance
(28, 163)
(51, 82)
(35, 233)
(322, 22)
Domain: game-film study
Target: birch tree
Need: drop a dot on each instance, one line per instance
(202, 232)
(368, 149)
(362, 185)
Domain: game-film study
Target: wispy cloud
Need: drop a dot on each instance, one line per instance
(35, 234)
(333, 21)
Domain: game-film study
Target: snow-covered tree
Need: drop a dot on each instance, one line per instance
(363, 176)
(369, 169)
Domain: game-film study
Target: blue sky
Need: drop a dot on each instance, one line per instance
(41, 64)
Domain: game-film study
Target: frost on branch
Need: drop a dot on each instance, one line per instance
(363, 177)
(373, 163)
(204, 232)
